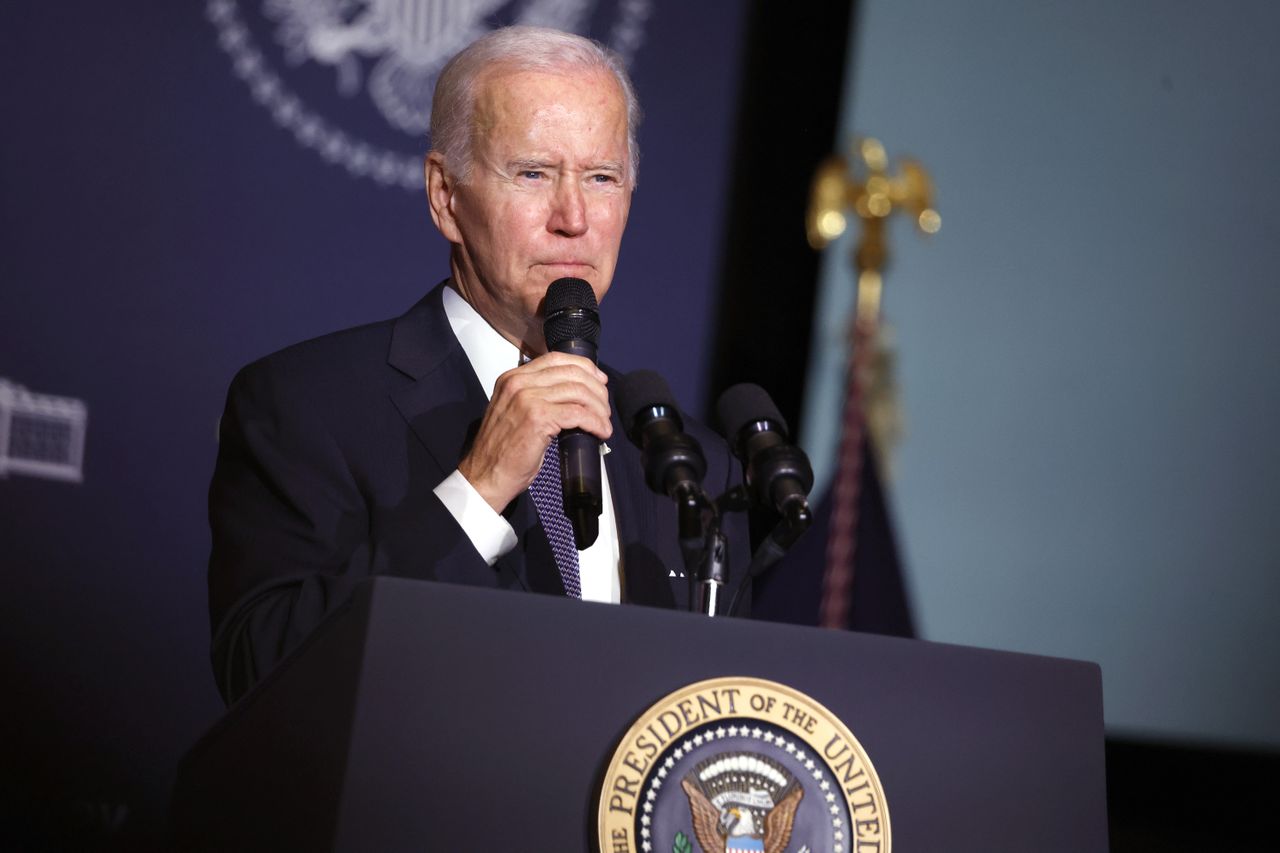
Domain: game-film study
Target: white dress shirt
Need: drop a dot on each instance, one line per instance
(491, 355)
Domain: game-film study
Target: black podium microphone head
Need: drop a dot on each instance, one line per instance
(673, 461)
(642, 395)
(572, 315)
(745, 408)
(777, 472)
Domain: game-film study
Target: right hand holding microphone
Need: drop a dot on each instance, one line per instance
(531, 405)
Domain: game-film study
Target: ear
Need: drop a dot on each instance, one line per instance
(440, 191)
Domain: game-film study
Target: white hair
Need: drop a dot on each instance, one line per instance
(517, 49)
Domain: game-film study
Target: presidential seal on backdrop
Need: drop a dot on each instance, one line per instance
(731, 765)
(352, 80)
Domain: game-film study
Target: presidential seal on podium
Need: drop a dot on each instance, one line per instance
(730, 765)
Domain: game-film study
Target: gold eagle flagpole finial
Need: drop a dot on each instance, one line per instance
(862, 184)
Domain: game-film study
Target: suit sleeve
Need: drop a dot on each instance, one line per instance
(290, 526)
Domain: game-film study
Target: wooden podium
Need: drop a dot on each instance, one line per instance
(432, 717)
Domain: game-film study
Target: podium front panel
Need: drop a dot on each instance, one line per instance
(449, 716)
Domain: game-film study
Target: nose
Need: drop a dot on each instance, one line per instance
(568, 210)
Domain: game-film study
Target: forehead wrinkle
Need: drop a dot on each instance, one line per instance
(490, 97)
(507, 130)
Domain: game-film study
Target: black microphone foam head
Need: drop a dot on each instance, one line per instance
(639, 392)
(643, 389)
(673, 461)
(744, 404)
(571, 312)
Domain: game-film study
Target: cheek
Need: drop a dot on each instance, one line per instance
(610, 227)
(497, 243)
(616, 213)
(499, 221)
(521, 227)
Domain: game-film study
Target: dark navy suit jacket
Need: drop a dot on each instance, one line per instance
(329, 454)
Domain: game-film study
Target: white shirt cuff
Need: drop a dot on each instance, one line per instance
(489, 532)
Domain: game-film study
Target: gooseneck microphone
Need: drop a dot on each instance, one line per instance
(572, 325)
(673, 462)
(674, 466)
(778, 474)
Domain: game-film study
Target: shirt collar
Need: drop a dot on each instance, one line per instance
(490, 354)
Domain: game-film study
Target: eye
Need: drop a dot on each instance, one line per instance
(531, 174)
(604, 178)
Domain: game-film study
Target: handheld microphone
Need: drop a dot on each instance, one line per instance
(572, 325)
(778, 474)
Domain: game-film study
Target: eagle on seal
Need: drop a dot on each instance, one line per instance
(742, 803)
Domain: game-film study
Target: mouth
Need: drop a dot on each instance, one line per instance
(567, 265)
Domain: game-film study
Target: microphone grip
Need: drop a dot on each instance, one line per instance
(580, 466)
(582, 489)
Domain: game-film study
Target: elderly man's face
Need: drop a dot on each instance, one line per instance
(547, 196)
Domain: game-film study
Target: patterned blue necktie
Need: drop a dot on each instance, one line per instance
(549, 499)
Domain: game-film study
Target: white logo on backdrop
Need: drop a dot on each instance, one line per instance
(41, 435)
(389, 51)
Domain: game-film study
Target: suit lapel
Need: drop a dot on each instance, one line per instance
(443, 408)
(444, 404)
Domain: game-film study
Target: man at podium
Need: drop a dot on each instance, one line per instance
(424, 446)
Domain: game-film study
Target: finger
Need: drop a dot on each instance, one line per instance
(570, 390)
(571, 416)
(559, 359)
(545, 410)
(562, 377)
(548, 418)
